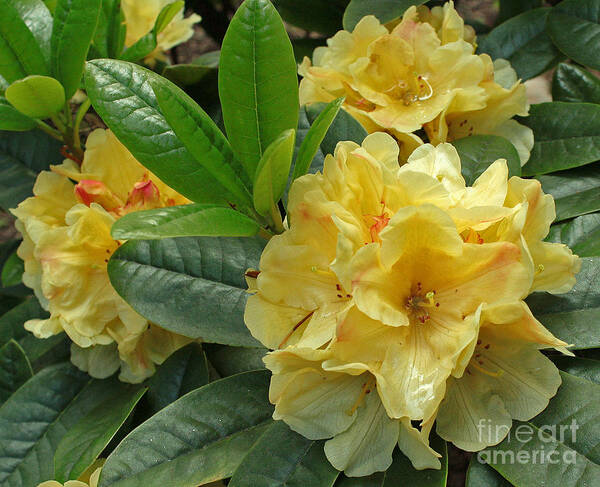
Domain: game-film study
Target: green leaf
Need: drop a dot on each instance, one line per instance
(203, 140)
(199, 438)
(305, 46)
(122, 96)
(141, 48)
(11, 322)
(258, 84)
(73, 30)
(523, 41)
(315, 135)
(573, 317)
(576, 192)
(82, 444)
(12, 271)
(109, 38)
(512, 8)
(20, 50)
(574, 27)
(168, 281)
(13, 120)
(38, 20)
(478, 152)
(584, 368)
(188, 74)
(292, 460)
(22, 156)
(272, 173)
(166, 15)
(582, 235)
(184, 221)
(574, 84)
(482, 475)
(36, 96)
(314, 15)
(384, 10)
(15, 369)
(182, 372)
(35, 418)
(233, 360)
(566, 135)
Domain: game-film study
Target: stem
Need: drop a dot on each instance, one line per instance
(59, 125)
(276, 219)
(49, 130)
(83, 108)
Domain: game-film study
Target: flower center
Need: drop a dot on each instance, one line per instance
(419, 303)
(416, 88)
(480, 363)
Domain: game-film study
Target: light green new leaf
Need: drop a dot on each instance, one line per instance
(478, 152)
(582, 235)
(168, 281)
(566, 135)
(12, 271)
(292, 461)
(200, 438)
(82, 444)
(315, 135)
(482, 475)
(574, 26)
(574, 84)
(384, 10)
(21, 51)
(36, 96)
(166, 15)
(573, 317)
(122, 95)
(15, 369)
(110, 32)
(38, 20)
(272, 173)
(203, 139)
(524, 42)
(258, 84)
(184, 221)
(12, 119)
(73, 30)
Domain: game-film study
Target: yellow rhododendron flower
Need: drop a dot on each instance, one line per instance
(91, 482)
(396, 295)
(66, 247)
(422, 73)
(140, 16)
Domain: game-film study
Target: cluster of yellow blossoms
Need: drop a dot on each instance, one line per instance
(66, 247)
(395, 298)
(421, 74)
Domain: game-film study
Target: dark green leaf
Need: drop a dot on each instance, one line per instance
(168, 281)
(199, 438)
(73, 30)
(305, 46)
(574, 316)
(258, 84)
(566, 135)
(188, 74)
(524, 42)
(110, 32)
(20, 51)
(314, 15)
(482, 475)
(36, 96)
(13, 120)
(574, 84)
(11, 323)
(12, 271)
(478, 152)
(22, 156)
(582, 235)
(82, 444)
(181, 373)
(292, 460)
(233, 360)
(584, 368)
(512, 8)
(15, 369)
(384, 10)
(122, 95)
(184, 221)
(573, 26)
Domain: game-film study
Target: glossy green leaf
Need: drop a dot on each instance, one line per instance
(314, 15)
(166, 15)
(122, 96)
(36, 96)
(573, 317)
(574, 84)
(272, 173)
(199, 438)
(478, 152)
(584, 368)
(203, 139)
(38, 20)
(482, 475)
(229, 360)
(15, 369)
(22, 156)
(12, 119)
(20, 51)
(258, 84)
(82, 444)
(524, 42)
(184, 221)
(168, 281)
(182, 372)
(566, 135)
(12, 271)
(582, 235)
(293, 461)
(110, 32)
(576, 192)
(512, 8)
(141, 48)
(574, 27)
(384, 10)
(73, 30)
(315, 135)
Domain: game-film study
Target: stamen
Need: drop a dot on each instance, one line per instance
(296, 326)
(540, 269)
(321, 272)
(428, 95)
(366, 389)
(499, 373)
